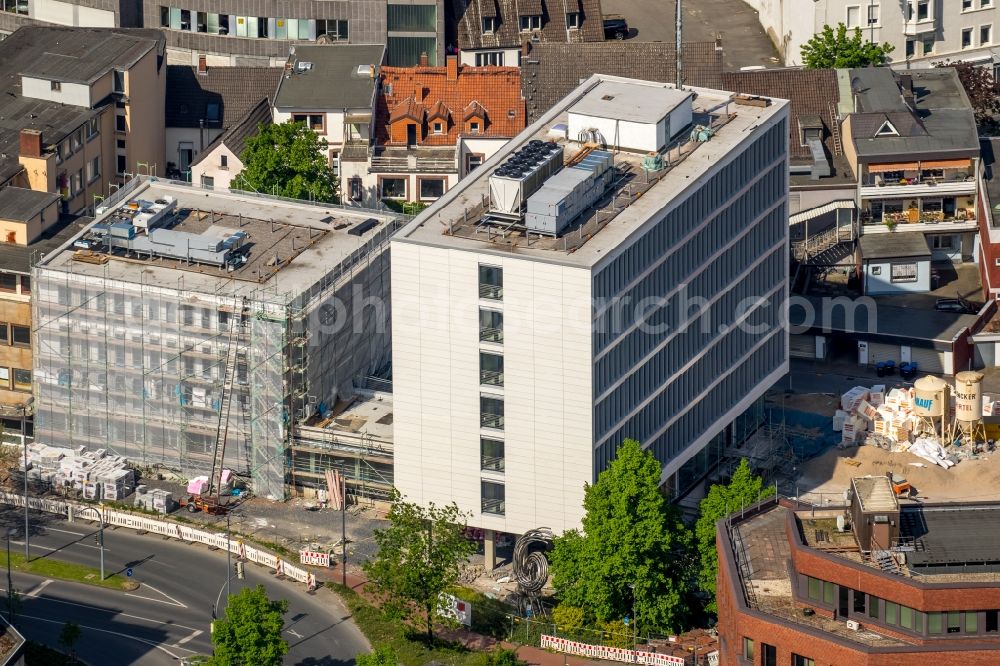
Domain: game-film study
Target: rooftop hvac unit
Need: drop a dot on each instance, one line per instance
(853, 625)
(521, 175)
(567, 194)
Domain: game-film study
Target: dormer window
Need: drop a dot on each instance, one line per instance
(532, 22)
(474, 127)
(55, 86)
(489, 25)
(887, 129)
(573, 20)
(438, 128)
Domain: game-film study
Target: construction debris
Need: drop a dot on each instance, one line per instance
(95, 474)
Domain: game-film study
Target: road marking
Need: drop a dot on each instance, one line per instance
(176, 603)
(158, 601)
(51, 549)
(33, 592)
(196, 634)
(294, 633)
(55, 529)
(108, 631)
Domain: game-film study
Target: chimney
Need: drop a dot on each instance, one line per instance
(424, 61)
(202, 65)
(453, 68)
(525, 49)
(31, 143)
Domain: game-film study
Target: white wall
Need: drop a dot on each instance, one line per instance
(333, 122)
(511, 57)
(548, 385)
(65, 13)
(788, 24)
(629, 135)
(883, 284)
(177, 135)
(485, 147)
(75, 94)
(211, 166)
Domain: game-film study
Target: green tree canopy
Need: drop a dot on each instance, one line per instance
(834, 49)
(632, 536)
(382, 655)
(287, 159)
(250, 632)
(420, 555)
(743, 490)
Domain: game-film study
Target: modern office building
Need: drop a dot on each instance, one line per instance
(876, 582)
(237, 32)
(616, 271)
(187, 327)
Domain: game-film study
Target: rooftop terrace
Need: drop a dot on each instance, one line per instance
(635, 195)
(289, 246)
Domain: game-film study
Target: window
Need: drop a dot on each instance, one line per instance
(55, 86)
(891, 613)
(985, 35)
(815, 589)
(392, 188)
(490, 324)
(121, 165)
(799, 660)
(533, 22)
(25, 284)
(954, 622)
(356, 189)
(911, 48)
(22, 379)
(120, 123)
(335, 163)
(93, 127)
(491, 282)
(966, 38)
(923, 10)
(491, 412)
(431, 188)
(474, 127)
(904, 273)
(120, 143)
(873, 606)
(472, 162)
(208, 182)
(76, 183)
(966, 5)
(490, 369)
(493, 498)
(906, 617)
(4, 377)
(971, 623)
(335, 30)
(8, 282)
(489, 59)
(573, 20)
(119, 81)
(4, 336)
(491, 454)
(212, 114)
(853, 16)
(223, 161)
(438, 127)
(873, 13)
(748, 648)
(768, 655)
(985, 3)
(943, 242)
(829, 590)
(93, 169)
(935, 623)
(859, 602)
(928, 43)
(313, 121)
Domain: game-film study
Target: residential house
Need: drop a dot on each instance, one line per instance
(332, 89)
(493, 32)
(434, 125)
(220, 162)
(204, 101)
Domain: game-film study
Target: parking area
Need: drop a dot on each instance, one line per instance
(743, 39)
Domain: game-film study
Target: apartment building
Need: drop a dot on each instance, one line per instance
(921, 31)
(82, 107)
(539, 312)
(494, 33)
(220, 162)
(190, 329)
(237, 32)
(433, 126)
(874, 582)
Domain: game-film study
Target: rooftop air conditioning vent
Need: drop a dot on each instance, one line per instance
(303, 66)
(853, 625)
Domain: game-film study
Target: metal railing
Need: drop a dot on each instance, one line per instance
(497, 507)
(487, 334)
(492, 463)
(494, 421)
(491, 377)
(492, 292)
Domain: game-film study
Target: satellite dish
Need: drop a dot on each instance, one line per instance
(841, 523)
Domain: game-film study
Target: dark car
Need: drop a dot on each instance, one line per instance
(615, 27)
(959, 305)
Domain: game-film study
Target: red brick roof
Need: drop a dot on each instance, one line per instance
(426, 93)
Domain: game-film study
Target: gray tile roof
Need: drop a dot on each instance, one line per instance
(17, 258)
(332, 83)
(508, 33)
(21, 204)
(235, 138)
(551, 70)
(236, 90)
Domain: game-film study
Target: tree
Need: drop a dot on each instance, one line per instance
(287, 159)
(382, 655)
(833, 49)
(250, 632)
(743, 489)
(981, 89)
(634, 550)
(419, 556)
(68, 637)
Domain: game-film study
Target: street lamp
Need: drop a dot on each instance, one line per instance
(635, 629)
(24, 444)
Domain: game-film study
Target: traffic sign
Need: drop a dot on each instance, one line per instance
(128, 572)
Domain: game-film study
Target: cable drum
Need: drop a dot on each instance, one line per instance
(531, 566)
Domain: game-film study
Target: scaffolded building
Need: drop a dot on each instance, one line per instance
(190, 329)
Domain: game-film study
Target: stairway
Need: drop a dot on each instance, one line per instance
(886, 562)
(215, 479)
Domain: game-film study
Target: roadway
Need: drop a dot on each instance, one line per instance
(169, 616)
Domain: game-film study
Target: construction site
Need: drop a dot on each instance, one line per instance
(193, 330)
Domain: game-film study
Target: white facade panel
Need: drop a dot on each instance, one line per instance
(75, 94)
(94, 18)
(629, 135)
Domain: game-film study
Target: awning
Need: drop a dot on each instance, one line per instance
(946, 164)
(899, 166)
(804, 215)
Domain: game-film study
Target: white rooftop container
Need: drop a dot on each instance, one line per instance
(641, 118)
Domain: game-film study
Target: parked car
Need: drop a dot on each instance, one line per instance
(615, 27)
(958, 305)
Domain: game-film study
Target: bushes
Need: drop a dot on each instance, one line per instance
(382, 655)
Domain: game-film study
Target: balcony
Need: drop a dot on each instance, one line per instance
(491, 292)
(413, 160)
(355, 151)
(917, 187)
(963, 219)
(492, 463)
(491, 421)
(487, 334)
(495, 507)
(491, 378)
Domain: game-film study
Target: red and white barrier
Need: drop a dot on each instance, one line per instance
(609, 653)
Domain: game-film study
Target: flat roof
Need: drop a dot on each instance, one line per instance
(894, 246)
(326, 77)
(308, 240)
(875, 493)
(21, 204)
(83, 55)
(452, 221)
(17, 258)
(960, 536)
(627, 101)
